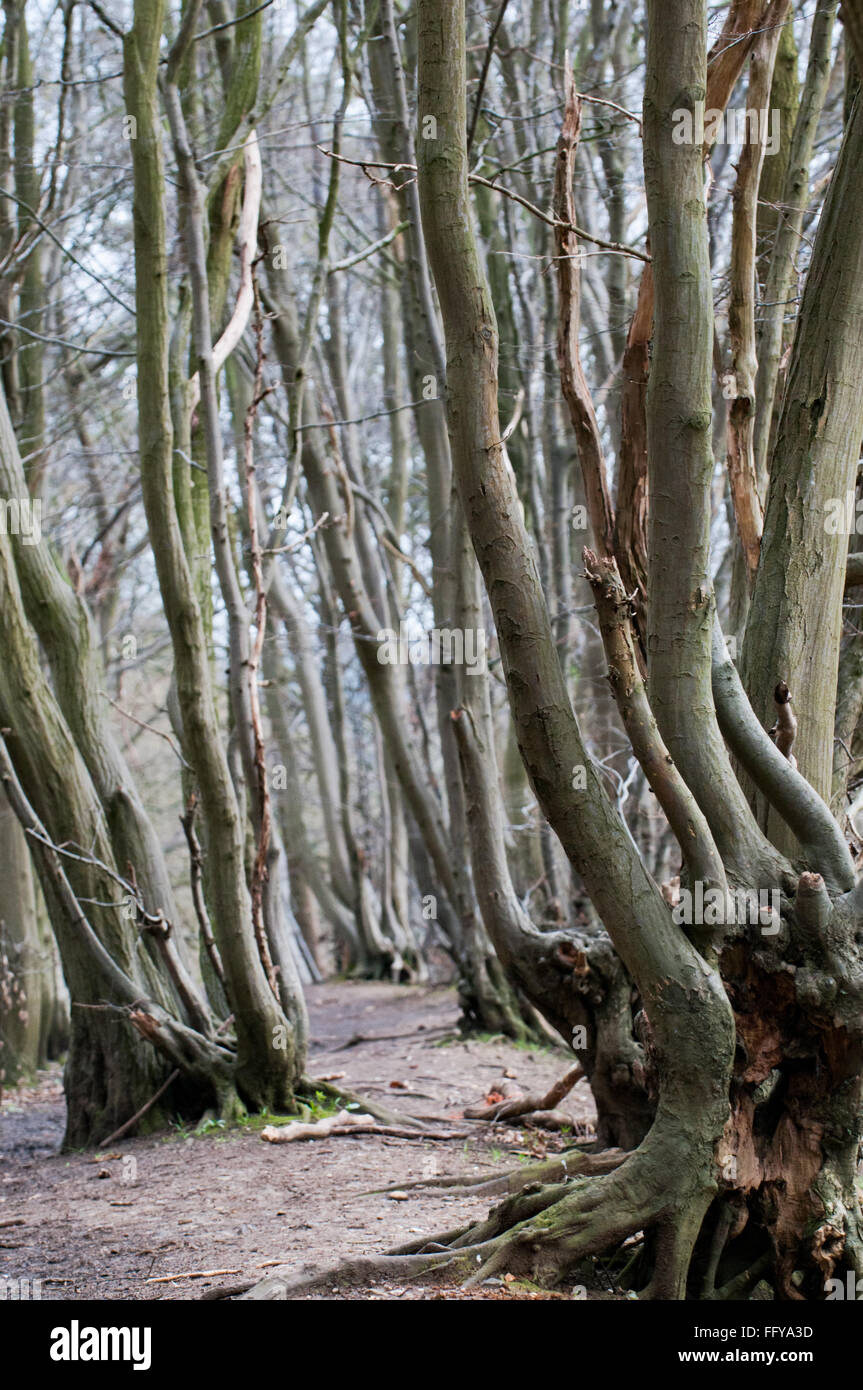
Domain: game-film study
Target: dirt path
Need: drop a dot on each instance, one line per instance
(106, 1226)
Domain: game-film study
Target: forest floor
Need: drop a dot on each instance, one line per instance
(182, 1214)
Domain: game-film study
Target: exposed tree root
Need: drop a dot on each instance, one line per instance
(742, 1284)
(572, 1163)
(365, 1271)
(543, 1231)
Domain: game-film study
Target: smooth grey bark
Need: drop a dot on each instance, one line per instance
(680, 456)
(788, 219)
(802, 569)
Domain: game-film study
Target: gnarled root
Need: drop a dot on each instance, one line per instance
(545, 1233)
(543, 1230)
(571, 1163)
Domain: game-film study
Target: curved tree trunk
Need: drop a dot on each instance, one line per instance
(111, 1071)
(270, 1053)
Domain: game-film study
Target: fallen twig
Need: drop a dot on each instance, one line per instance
(118, 1133)
(191, 1274)
(357, 1038)
(348, 1122)
(226, 1291)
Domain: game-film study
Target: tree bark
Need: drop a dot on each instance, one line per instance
(269, 1062)
(549, 736)
(802, 570)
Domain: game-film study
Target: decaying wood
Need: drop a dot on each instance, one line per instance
(784, 731)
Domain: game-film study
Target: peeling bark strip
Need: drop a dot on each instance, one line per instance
(572, 379)
(684, 814)
(784, 731)
(246, 241)
(741, 304)
(630, 520)
(745, 21)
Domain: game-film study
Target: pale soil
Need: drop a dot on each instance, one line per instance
(106, 1226)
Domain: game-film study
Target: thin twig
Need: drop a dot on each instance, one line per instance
(118, 1133)
(366, 164)
(369, 250)
(492, 38)
(149, 727)
(300, 540)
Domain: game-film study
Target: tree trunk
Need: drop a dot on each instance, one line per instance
(25, 969)
(805, 544)
(269, 1060)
